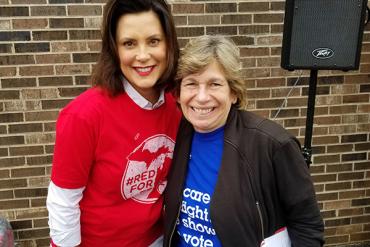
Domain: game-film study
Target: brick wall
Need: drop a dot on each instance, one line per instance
(48, 48)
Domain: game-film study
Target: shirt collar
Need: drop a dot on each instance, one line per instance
(140, 100)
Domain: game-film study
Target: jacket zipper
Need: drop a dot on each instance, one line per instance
(261, 220)
(174, 227)
(251, 183)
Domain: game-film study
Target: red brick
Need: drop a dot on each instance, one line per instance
(253, 6)
(357, 79)
(223, 30)
(349, 229)
(268, 18)
(338, 222)
(37, 202)
(84, 34)
(14, 204)
(72, 69)
(21, 224)
(339, 167)
(320, 159)
(68, 46)
(254, 29)
(48, 11)
(13, 183)
(34, 233)
(28, 172)
(248, 52)
(236, 19)
(277, 29)
(6, 194)
(84, 10)
(256, 72)
(204, 20)
(337, 240)
(220, 7)
(327, 196)
(361, 184)
(324, 178)
(350, 176)
(360, 236)
(7, 71)
(14, 11)
(357, 98)
(36, 70)
(11, 162)
(338, 186)
(53, 58)
(49, 35)
(319, 140)
(185, 8)
(39, 160)
(26, 150)
(342, 129)
(350, 194)
(362, 165)
(30, 23)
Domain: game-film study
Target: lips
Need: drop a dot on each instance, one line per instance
(202, 110)
(144, 71)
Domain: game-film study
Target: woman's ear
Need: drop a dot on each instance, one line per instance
(234, 99)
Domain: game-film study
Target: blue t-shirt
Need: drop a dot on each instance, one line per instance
(194, 225)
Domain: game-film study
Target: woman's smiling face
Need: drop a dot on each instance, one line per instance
(142, 52)
(206, 98)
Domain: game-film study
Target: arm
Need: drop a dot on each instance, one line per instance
(73, 155)
(297, 195)
(64, 215)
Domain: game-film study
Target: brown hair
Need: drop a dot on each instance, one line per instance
(202, 51)
(107, 72)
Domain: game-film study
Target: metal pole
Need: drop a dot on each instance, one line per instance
(307, 150)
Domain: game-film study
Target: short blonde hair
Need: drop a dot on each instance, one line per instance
(202, 51)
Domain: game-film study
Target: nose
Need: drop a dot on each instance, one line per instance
(143, 53)
(202, 94)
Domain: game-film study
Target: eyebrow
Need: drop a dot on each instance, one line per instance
(212, 79)
(150, 37)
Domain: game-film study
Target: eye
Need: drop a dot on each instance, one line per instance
(188, 84)
(215, 84)
(154, 42)
(128, 44)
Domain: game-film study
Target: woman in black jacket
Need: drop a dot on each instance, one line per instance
(237, 179)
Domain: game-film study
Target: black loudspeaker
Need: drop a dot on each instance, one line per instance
(323, 34)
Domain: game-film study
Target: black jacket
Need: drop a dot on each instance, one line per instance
(263, 185)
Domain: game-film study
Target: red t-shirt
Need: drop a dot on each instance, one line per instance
(121, 154)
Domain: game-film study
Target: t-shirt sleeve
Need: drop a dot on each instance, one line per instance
(74, 151)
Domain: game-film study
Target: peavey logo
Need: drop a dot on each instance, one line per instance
(144, 179)
(322, 53)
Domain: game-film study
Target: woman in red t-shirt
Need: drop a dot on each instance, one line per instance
(114, 142)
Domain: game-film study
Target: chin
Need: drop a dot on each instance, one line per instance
(202, 129)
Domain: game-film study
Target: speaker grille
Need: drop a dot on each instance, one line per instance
(325, 34)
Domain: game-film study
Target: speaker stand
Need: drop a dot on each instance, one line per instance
(307, 150)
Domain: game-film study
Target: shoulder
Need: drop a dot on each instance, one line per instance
(254, 125)
(170, 100)
(172, 107)
(86, 105)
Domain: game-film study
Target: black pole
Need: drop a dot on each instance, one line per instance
(307, 150)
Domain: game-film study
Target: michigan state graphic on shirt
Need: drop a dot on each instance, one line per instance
(144, 179)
